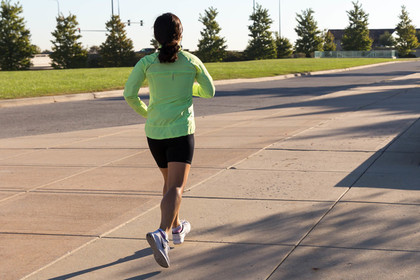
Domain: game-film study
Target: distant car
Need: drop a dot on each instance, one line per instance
(147, 51)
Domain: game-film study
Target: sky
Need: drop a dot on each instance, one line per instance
(233, 17)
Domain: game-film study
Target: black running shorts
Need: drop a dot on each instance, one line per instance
(180, 149)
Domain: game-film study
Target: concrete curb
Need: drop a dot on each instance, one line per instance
(143, 91)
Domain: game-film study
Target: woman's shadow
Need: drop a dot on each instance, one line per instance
(137, 255)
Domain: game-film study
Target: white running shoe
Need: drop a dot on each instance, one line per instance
(160, 246)
(178, 238)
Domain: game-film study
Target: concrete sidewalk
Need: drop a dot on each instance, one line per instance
(323, 189)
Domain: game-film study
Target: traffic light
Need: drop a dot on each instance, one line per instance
(128, 22)
(141, 23)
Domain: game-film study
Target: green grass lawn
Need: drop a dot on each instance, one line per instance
(19, 84)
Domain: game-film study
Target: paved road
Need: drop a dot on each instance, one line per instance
(69, 116)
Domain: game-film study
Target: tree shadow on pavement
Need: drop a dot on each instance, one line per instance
(396, 167)
(364, 235)
(372, 92)
(345, 237)
(370, 238)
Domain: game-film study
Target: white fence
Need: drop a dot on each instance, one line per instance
(355, 54)
(41, 61)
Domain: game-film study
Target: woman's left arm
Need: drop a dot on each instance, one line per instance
(205, 87)
(132, 86)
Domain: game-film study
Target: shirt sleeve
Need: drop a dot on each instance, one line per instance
(205, 87)
(132, 86)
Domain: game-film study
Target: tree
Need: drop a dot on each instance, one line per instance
(262, 44)
(15, 46)
(283, 46)
(94, 50)
(386, 40)
(329, 44)
(37, 50)
(67, 52)
(309, 35)
(211, 47)
(406, 40)
(356, 35)
(94, 58)
(117, 50)
(154, 43)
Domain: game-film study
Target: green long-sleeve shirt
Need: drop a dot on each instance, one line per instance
(170, 112)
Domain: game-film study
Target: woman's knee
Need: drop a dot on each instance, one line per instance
(175, 190)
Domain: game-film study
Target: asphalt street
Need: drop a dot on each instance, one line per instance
(110, 112)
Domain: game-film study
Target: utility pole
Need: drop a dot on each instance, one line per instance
(58, 7)
(112, 7)
(279, 18)
(254, 7)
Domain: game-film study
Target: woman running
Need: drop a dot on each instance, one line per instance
(170, 125)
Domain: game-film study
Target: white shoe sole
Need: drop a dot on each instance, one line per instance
(178, 241)
(160, 257)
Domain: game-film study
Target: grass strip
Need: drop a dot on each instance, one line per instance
(21, 84)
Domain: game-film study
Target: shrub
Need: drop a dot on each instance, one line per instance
(231, 56)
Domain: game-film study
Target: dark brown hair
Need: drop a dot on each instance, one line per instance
(168, 32)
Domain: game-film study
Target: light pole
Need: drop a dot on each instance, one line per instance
(279, 18)
(112, 7)
(58, 7)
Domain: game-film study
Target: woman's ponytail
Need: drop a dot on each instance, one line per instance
(168, 32)
(169, 52)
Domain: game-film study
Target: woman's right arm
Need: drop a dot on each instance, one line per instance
(132, 86)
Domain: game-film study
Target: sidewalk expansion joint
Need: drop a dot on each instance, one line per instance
(49, 234)
(234, 169)
(238, 243)
(321, 150)
(97, 148)
(22, 149)
(91, 166)
(11, 190)
(255, 199)
(204, 241)
(115, 193)
(291, 170)
(382, 203)
(361, 248)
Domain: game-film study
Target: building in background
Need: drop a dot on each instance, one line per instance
(375, 34)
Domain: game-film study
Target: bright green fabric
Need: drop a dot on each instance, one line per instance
(170, 112)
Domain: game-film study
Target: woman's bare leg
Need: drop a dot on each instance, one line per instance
(164, 171)
(176, 179)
